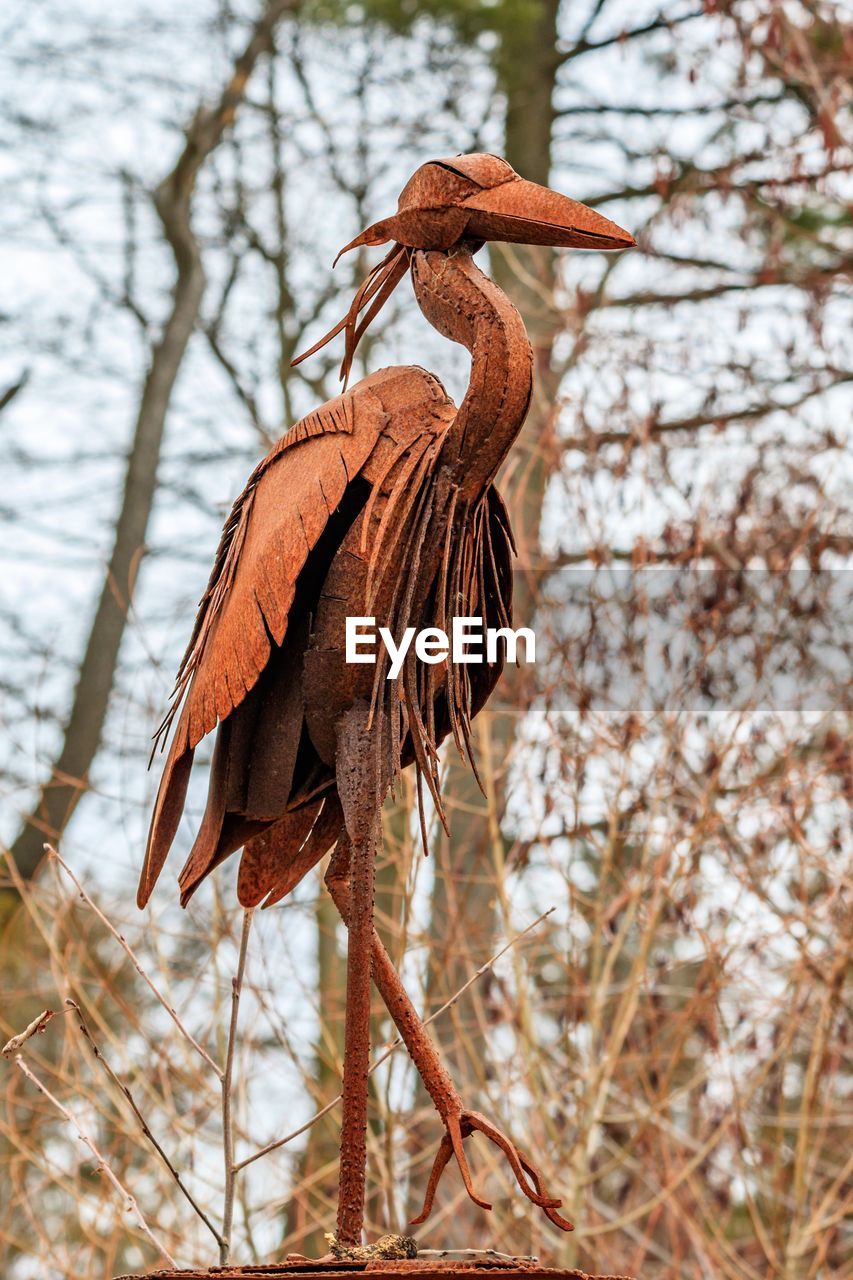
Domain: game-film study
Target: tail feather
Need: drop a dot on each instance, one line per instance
(205, 853)
(265, 856)
(164, 821)
(296, 863)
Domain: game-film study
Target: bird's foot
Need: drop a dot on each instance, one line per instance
(458, 1127)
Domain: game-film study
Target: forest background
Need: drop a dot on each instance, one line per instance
(673, 1037)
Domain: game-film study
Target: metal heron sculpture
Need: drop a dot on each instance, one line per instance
(381, 503)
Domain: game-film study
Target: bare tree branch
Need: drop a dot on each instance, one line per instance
(143, 1123)
(663, 22)
(173, 201)
(103, 1166)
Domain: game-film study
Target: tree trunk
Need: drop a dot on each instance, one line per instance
(173, 200)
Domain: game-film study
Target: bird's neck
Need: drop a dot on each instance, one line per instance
(468, 307)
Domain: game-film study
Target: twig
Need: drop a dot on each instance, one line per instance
(477, 1253)
(663, 21)
(128, 950)
(7, 396)
(227, 1076)
(129, 1199)
(81, 1022)
(395, 1044)
(35, 1028)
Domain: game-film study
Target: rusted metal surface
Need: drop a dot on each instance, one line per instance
(434, 1269)
(380, 503)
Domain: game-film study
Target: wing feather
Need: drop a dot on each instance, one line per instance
(271, 530)
(266, 540)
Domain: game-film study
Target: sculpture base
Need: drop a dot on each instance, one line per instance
(382, 1269)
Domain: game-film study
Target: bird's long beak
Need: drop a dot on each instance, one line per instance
(522, 212)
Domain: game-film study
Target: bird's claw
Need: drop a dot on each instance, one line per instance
(458, 1127)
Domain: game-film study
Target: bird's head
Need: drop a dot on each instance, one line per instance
(480, 197)
(467, 199)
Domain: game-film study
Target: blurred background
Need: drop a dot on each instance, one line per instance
(672, 1040)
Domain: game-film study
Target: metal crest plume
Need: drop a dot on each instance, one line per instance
(437, 209)
(380, 502)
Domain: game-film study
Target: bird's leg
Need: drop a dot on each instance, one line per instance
(358, 778)
(458, 1121)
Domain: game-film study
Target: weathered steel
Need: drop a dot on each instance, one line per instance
(380, 503)
(418, 1269)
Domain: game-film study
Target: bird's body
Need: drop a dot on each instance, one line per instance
(379, 504)
(345, 512)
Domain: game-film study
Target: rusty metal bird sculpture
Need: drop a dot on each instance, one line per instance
(380, 504)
